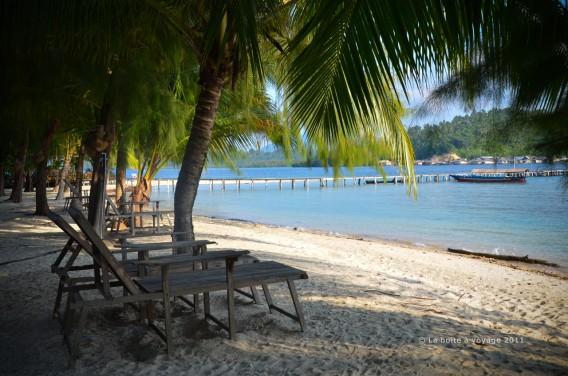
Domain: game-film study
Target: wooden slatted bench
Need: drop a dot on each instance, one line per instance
(235, 277)
(136, 268)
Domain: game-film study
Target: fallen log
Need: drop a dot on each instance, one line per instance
(525, 259)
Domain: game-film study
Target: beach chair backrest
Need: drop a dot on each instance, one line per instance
(103, 250)
(70, 231)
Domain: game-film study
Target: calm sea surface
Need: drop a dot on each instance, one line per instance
(520, 219)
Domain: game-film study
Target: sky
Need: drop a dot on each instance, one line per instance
(417, 96)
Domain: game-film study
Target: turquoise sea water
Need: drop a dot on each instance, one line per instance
(521, 219)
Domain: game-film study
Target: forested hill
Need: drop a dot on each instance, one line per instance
(481, 133)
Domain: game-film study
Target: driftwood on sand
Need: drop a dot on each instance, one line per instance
(525, 259)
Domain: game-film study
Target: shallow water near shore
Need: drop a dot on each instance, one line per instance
(519, 219)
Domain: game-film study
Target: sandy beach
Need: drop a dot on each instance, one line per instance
(372, 308)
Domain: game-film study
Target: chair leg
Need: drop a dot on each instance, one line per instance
(195, 296)
(268, 297)
(206, 304)
(168, 323)
(297, 304)
(196, 303)
(255, 295)
(229, 269)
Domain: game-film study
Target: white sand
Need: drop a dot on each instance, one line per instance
(368, 306)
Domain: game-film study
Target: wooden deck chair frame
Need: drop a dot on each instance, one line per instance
(101, 278)
(262, 273)
(78, 307)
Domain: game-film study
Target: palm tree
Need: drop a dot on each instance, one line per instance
(343, 65)
(158, 133)
(68, 146)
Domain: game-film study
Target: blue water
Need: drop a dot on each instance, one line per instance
(520, 219)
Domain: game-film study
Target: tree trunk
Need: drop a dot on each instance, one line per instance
(79, 166)
(97, 186)
(98, 147)
(141, 196)
(42, 207)
(62, 176)
(40, 159)
(121, 165)
(28, 182)
(2, 192)
(18, 171)
(211, 83)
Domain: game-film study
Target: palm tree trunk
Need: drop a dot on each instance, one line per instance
(97, 184)
(98, 180)
(62, 176)
(121, 164)
(42, 207)
(18, 171)
(211, 83)
(79, 169)
(41, 157)
(98, 145)
(140, 197)
(28, 182)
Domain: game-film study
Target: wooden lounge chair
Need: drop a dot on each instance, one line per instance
(102, 280)
(146, 291)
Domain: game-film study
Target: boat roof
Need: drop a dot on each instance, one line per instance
(499, 171)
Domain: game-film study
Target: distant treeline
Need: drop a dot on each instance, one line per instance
(482, 133)
(493, 133)
(262, 158)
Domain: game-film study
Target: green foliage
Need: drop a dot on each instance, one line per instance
(245, 119)
(524, 66)
(496, 133)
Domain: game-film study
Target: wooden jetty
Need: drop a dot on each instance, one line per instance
(318, 182)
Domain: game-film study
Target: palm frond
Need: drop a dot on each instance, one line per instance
(345, 80)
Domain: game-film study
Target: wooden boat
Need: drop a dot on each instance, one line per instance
(516, 175)
(488, 179)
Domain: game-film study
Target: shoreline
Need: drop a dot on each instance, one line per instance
(560, 271)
